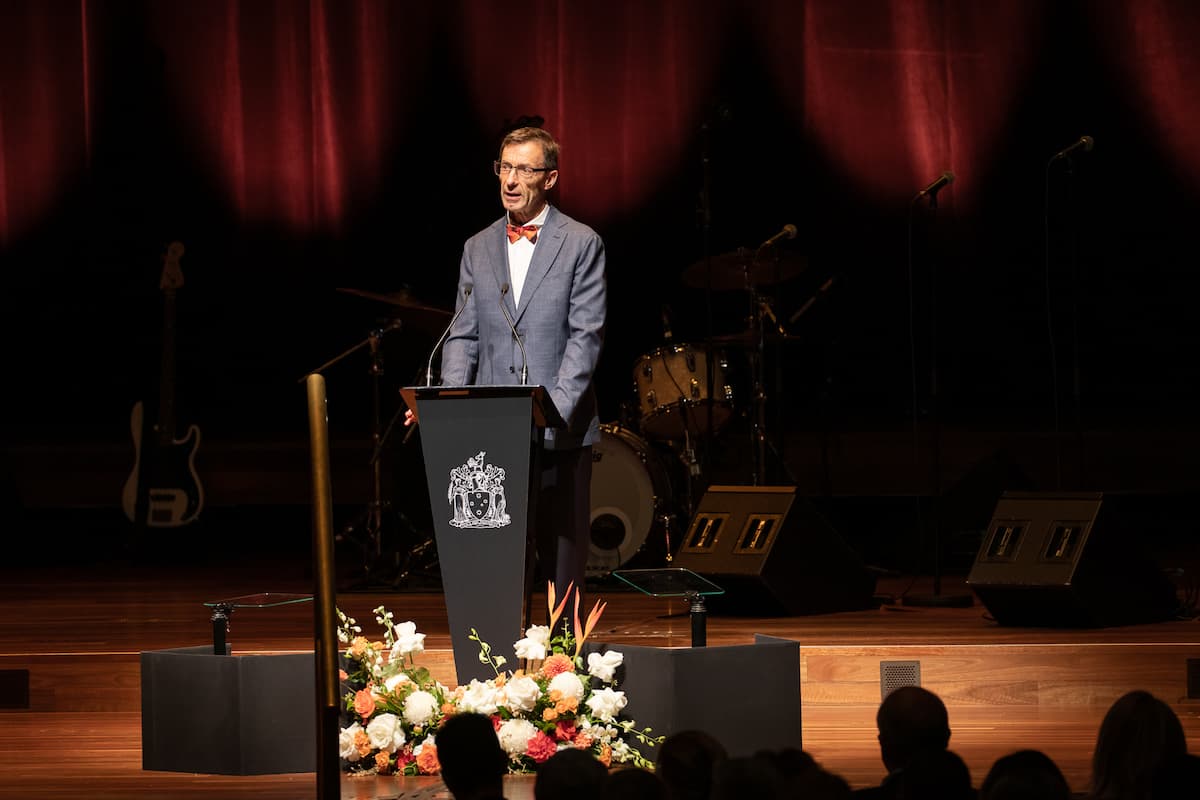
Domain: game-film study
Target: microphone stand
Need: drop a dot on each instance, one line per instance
(936, 599)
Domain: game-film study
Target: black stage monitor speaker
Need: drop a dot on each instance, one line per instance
(1068, 559)
(773, 553)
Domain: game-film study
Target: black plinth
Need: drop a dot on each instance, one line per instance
(746, 696)
(228, 715)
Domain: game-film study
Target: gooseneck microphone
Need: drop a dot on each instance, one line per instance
(1085, 143)
(788, 232)
(512, 327)
(429, 367)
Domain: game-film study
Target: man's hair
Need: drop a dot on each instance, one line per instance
(470, 754)
(523, 135)
(911, 721)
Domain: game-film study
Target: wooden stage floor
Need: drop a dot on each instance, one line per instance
(78, 631)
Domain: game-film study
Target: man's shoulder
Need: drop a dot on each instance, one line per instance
(558, 219)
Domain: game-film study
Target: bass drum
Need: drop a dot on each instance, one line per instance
(633, 502)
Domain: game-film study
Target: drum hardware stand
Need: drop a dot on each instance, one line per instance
(366, 529)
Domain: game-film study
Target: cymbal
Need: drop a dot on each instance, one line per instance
(750, 338)
(732, 271)
(411, 310)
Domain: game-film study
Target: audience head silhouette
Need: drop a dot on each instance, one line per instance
(935, 775)
(570, 775)
(911, 721)
(1139, 734)
(634, 784)
(1025, 775)
(473, 763)
(685, 764)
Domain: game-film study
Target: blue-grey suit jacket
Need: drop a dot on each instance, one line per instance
(560, 320)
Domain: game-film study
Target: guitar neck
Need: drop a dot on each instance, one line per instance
(166, 379)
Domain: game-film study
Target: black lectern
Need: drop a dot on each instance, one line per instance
(480, 445)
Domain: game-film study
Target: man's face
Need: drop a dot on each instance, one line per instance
(523, 198)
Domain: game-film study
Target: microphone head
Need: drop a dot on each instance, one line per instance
(1088, 143)
(948, 176)
(790, 230)
(503, 289)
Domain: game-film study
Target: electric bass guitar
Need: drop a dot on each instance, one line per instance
(163, 490)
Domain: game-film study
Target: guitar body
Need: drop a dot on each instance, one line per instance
(163, 490)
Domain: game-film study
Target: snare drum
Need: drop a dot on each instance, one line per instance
(672, 390)
(632, 499)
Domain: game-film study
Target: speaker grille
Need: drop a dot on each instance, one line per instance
(895, 674)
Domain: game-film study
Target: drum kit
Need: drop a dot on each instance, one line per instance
(644, 469)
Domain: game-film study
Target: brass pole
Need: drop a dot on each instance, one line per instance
(324, 595)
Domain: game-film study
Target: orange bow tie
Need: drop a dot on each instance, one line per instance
(517, 231)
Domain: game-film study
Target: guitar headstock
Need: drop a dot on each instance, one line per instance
(172, 275)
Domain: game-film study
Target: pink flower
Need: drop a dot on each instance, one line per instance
(541, 747)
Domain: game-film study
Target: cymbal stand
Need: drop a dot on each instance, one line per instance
(760, 314)
(370, 520)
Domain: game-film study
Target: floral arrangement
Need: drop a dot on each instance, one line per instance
(552, 703)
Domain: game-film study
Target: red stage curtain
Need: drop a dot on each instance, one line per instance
(621, 84)
(1153, 45)
(898, 91)
(45, 106)
(295, 103)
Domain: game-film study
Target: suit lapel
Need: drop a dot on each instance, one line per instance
(549, 243)
(498, 257)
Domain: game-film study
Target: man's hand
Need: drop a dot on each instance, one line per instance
(410, 417)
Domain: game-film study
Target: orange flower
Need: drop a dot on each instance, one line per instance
(448, 709)
(382, 762)
(427, 762)
(555, 613)
(362, 742)
(566, 705)
(605, 756)
(550, 714)
(499, 680)
(342, 676)
(358, 646)
(557, 664)
(364, 702)
(582, 741)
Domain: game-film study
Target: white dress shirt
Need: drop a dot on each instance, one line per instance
(520, 253)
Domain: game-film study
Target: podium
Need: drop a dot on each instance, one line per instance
(481, 446)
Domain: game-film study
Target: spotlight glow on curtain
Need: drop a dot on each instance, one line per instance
(620, 84)
(45, 106)
(295, 104)
(898, 91)
(1153, 45)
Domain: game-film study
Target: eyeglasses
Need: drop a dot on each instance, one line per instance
(503, 168)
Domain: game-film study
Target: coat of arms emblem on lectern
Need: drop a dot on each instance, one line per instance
(476, 495)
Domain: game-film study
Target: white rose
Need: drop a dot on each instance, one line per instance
(515, 734)
(568, 684)
(346, 747)
(408, 641)
(529, 648)
(606, 703)
(521, 694)
(419, 708)
(385, 732)
(479, 698)
(604, 665)
(391, 683)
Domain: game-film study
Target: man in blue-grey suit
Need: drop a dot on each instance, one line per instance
(547, 271)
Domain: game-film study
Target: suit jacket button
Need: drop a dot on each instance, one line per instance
(512, 370)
